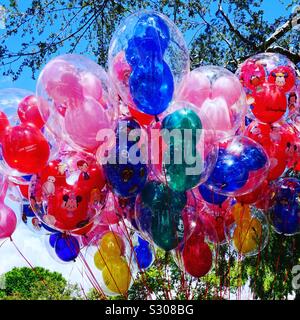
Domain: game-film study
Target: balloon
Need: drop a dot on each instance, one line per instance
(28, 111)
(218, 94)
(250, 233)
(211, 196)
(69, 193)
(275, 141)
(143, 252)
(8, 219)
(73, 91)
(159, 214)
(284, 213)
(269, 103)
(147, 60)
(25, 149)
(111, 244)
(187, 152)
(125, 170)
(4, 123)
(116, 275)
(268, 79)
(197, 257)
(242, 165)
(66, 247)
(255, 195)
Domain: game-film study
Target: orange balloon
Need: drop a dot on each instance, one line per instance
(111, 244)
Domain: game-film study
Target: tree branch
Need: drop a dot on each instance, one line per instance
(233, 28)
(295, 57)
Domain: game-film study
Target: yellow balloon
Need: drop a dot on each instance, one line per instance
(111, 244)
(240, 212)
(100, 259)
(247, 235)
(116, 275)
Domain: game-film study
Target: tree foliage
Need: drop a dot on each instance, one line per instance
(36, 284)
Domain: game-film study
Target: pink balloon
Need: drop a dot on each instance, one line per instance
(227, 88)
(91, 235)
(83, 123)
(196, 88)
(109, 214)
(8, 219)
(62, 83)
(218, 113)
(91, 85)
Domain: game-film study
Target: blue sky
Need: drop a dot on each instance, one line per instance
(31, 245)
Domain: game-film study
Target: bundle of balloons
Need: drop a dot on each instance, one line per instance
(150, 154)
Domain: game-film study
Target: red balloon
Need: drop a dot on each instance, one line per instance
(197, 256)
(269, 103)
(28, 112)
(25, 148)
(24, 189)
(283, 77)
(4, 123)
(142, 118)
(275, 141)
(252, 74)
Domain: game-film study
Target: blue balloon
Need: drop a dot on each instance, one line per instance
(229, 173)
(253, 158)
(285, 219)
(152, 87)
(28, 211)
(53, 238)
(285, 212)
(67, 247)
(144, 256)
(125, 179)
(210, 196)
(154, 27)
(143, 50)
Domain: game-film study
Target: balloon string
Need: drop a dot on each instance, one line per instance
(91, 276)
(150, 291)
(277, 264)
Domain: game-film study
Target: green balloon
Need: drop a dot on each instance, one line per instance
(178, 176)
(182, 119)
(165, 206)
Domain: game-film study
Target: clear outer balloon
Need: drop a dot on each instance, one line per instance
(183, 147)
(242, 165)
(278, 140)
(249, 234)
(8, 219)
(219, 95)
(269, 79)
(147, 60)
(75, 101)
(163, 216)
(285, 211)
(69, 193)
(213, 218)
(112, 266)
(109, 214)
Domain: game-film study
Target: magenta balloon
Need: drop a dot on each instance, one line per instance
(109, 213)
(83, 123)
(195, 88)
(8, 219)
(91, 85)
(62, 83)
(228, 88)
